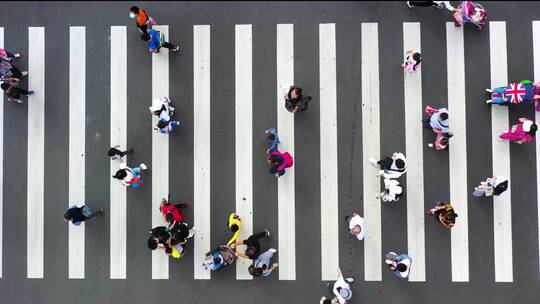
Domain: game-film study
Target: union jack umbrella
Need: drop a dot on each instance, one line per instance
(516, 92)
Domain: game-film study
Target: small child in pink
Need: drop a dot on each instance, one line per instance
(412, 62)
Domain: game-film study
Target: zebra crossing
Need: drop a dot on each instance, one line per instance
(287, 232)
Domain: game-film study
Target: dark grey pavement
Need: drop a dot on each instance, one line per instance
(56, 17)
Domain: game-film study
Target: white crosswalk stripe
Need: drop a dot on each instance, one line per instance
(36, 153)
(77, 104)
(201, 147)
(455, 55)
(118, 200)
(415, 165)
(285, 127)
(160, 153)
(288, 217)
(502, 208)
(536, 58)
(243, 138)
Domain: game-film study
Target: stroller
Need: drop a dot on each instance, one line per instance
(219, 257)
(470, 12)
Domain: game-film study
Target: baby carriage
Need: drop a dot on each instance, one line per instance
(470, 12)
(219, 257)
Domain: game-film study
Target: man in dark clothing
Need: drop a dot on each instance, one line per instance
(14, 93)
(158, 235)
(253, 249)
(114, 153)
(77, 215)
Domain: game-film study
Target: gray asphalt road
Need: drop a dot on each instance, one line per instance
(56, 17)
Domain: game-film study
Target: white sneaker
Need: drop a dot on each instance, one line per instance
(17, 55)
(24, 73)
(488, 90)
(272, 250)
(191, 232)
(350, 280)
(488, 101)
(143, 166)
(430, 145)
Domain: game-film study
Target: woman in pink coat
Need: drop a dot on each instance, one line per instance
(522, 132)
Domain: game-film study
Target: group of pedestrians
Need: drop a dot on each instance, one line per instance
(173, 235)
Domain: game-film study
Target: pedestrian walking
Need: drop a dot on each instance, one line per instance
(261, 265)
(142, 20)
(399, 264)
(273, 139)
(5, 55)
(279, 162)
(356, 226)
(523, 132)
(494, 185)
(14, 93)
(171, 212)
(161, 107)
(77, 215)
(159, 238)
(391, 167)
(442, 140)
(470, 12)
(412, 62)
(130, 177)
(180, 232)
(296, 102)
(177, 251)
(253, 245)
(114, 152)
(234, 225)
(8, 72)
(435, 4)
(166, 127)
(218, 258)
(444, 213)
(437, 120)
(341, 288)
(156, 40)
(392, 191)
(523, 92)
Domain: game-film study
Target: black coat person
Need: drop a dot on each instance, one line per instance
(295, 101)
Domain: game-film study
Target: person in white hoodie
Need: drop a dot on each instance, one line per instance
(341, 288)
(392, 191)
(161, 107)
(391, 167)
